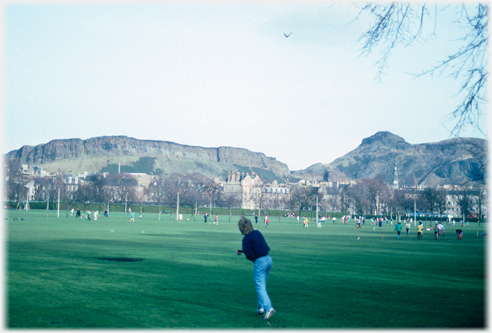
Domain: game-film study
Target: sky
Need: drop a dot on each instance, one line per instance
(215, 74)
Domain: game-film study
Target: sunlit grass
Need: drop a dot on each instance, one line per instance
(187, 275)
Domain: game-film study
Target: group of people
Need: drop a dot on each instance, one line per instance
(265, 220)
(205, 218)
(87, 214)
(439, 230)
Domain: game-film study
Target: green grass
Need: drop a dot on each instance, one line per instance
(187, 275)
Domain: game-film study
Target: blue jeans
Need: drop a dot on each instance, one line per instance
(262, 267)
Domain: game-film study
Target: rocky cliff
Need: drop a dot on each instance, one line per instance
(455, 161)
(73, 154)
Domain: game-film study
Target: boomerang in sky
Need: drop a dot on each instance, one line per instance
(287, 36)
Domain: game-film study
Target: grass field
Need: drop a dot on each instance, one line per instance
(73, 273)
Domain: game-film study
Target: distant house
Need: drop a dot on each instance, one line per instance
(247, 188)
(71, 182)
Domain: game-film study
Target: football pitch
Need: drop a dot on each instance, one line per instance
(157, 274)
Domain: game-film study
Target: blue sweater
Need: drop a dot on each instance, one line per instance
(254, 245)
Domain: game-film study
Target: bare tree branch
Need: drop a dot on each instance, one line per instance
(402, 23)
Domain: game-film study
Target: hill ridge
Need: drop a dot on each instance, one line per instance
(451, 161)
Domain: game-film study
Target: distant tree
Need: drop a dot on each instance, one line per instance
(292, 203)
(441, 201)
(156, 191)
(428, 200)
(171, 193)
(140, 196)
(261, 200)
(69, 199)
(330, 200)
(465, 202)
(85, 194)
(277, 202)
(231, 200)
(211, 191)
(377, 193)
(15, 181)
(400, 203)
(482, 199)
(359, 199)
(344, 200)
(107, 195)
(303, 197)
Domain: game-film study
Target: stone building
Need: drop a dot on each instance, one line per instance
(275, 197)
(249, 189)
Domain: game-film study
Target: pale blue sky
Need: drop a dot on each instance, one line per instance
(215, 75)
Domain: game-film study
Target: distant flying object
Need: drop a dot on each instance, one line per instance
(286, 36)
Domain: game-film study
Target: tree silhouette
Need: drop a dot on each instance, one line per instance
(396, 24)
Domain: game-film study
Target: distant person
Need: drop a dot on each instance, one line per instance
(398, 229)
(419, 230)
(180, 218)
(256, 218)
(88, 215)
(266, 222)
(216, 220)
(78, 213)
(96, 215)
(436, 232)
(334, 220)
(459, 232)
(205, 216)
(106, 213)
(380, 224)
(72, 211)
(132, 217)
(256, 249)
(297, 218)
(408, 227)
(319, 223)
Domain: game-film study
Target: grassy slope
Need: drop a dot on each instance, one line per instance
(190, 276)
(169, 166)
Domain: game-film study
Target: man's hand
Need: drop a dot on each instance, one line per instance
(238, 252)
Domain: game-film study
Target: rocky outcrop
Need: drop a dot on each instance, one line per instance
(111, 146)
(455, 161)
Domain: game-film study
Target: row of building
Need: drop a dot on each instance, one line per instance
(250, 189)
